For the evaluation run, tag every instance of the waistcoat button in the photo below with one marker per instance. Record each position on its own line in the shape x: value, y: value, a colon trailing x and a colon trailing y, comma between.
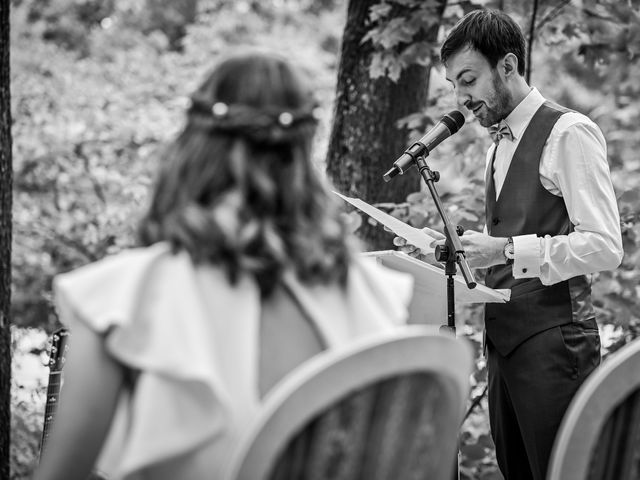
x: 496, y: 221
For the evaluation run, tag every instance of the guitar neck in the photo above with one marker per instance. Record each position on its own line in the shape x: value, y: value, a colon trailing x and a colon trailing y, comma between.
x: 51, y: 406
x: 56, y: 362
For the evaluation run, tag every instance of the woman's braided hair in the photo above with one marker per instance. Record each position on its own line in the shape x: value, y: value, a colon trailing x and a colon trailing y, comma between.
x: 265, y: 125
x: 237, y: 188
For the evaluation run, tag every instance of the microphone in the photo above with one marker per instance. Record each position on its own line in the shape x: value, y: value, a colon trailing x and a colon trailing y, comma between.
x: 447, y: 126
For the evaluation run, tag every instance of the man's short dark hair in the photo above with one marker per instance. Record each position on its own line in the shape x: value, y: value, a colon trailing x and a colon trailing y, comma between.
x: 490, y: 32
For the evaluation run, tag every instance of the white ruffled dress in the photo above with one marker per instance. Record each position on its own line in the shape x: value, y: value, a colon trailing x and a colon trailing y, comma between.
x: 193, y: 338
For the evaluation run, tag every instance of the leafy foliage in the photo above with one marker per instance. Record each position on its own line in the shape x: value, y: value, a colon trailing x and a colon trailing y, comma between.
x: 395, y: 28
x: 88, y: 127
x: 94, y: 102
x: 89, y: 121
x: 27, y: 403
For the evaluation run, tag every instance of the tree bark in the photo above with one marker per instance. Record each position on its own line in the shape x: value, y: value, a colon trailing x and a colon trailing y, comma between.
x: 5, y: 241
x: 532, y: 37
x: 364, y: 140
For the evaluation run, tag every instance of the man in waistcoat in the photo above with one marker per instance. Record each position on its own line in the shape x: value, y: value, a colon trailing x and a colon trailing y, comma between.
x: 551, y: 221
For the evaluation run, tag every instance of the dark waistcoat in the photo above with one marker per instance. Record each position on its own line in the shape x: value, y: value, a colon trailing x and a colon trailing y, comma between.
x: 526, y: 207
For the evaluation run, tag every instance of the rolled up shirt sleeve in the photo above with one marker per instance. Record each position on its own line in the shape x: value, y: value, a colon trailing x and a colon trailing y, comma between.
x: 574, y: 166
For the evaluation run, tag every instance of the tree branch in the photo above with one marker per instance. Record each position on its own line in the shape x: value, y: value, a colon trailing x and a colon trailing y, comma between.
x: 476, y: 401
x: 97, y: 188
x: 62, y: 240
x: 553, y: 13
x: 532, y: 30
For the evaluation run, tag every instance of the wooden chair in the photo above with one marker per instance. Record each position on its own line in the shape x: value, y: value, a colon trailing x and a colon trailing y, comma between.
x: 599, y: 438
x: 386, y: 408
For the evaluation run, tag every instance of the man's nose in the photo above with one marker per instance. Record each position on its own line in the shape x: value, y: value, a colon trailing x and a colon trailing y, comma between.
x: 463, y: 100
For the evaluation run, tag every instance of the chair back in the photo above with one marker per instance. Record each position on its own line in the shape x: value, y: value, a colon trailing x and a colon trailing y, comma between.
x: 599, y: 438
x: 388, y: 407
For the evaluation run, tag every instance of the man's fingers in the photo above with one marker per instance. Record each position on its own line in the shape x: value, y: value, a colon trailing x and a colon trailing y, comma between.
x: 399, y: 241
x: 433, y: 233
x: 411, y: 250
x: 407, y: 248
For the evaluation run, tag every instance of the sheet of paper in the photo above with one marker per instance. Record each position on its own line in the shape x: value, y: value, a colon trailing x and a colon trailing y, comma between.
x: 431, y: 279
x: 412, y: 235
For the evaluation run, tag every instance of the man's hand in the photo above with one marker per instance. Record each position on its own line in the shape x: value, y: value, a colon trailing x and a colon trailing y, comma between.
x: 415, y: 252
x: 481, y: 250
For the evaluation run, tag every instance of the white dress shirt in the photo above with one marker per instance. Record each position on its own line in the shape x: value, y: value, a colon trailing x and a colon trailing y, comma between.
x: 573, y: 166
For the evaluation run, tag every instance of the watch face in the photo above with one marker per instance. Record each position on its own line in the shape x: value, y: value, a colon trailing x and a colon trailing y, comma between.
x: 509, y: 250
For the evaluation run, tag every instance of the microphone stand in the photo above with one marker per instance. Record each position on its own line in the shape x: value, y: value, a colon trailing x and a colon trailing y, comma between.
x: 451, y: 253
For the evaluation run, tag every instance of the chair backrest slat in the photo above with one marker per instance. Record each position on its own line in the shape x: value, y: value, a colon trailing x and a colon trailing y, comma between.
x: 599, y: 438
x: 387, y: 430
x: 338, y: 438
x: 387, y: 425
x: 389, y: 408
x: 630, y: 461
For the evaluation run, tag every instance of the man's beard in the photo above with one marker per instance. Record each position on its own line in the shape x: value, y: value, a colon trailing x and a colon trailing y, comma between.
x: 501, y: 101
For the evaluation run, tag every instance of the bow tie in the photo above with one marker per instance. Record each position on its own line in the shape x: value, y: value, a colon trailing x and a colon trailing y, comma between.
x: 499, y: 131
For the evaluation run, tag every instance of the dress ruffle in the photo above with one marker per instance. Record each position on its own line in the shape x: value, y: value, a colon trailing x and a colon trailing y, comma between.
x: 192, y: 339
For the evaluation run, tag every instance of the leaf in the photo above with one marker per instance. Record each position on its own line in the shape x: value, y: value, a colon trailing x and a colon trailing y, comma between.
x: 353, y: 220
x: 395, y: 70
x: 572, y: 30
x: 418, y: 218
x: 385, y: 64
x: 421, y: 53
x: 415, y: 121
x: 395, y: 32
x: 377, y: 67
x: 623, y: 12
x: 473, y: 451
x: 372, y: 35
x: 492, y: 474
x: 416, y: 197
x: 486, y: 441
x: 379, y: 12
x: 406, y: 3
x: 631, y: 197
x: 467, y: 215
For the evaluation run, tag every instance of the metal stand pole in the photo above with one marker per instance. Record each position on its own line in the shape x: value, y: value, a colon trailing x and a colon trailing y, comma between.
x: 451, y: 254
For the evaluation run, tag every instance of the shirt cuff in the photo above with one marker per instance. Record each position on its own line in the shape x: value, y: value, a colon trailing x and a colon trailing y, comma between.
x: 526, y: 261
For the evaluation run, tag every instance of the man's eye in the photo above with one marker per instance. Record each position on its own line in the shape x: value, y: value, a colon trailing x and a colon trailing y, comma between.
x: 468, y: 83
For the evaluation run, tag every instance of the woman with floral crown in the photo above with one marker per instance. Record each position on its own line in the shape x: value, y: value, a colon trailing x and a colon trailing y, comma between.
x: 244, y: 271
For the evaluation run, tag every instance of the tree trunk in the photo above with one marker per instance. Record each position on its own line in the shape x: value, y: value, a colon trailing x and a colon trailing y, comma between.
x: 364, y: 140
x: 5, y: 240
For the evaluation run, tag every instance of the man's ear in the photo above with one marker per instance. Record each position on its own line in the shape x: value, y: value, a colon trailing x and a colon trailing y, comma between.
x: 509, y: 65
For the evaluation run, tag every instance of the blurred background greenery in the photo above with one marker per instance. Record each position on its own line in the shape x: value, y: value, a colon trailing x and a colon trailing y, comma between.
x: 98, y: 86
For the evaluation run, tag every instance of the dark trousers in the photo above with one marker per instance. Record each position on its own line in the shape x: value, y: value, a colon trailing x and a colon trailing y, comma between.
x: 530, y: 390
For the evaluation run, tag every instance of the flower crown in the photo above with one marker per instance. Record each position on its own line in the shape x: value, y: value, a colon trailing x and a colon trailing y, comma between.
x: 268, y: 125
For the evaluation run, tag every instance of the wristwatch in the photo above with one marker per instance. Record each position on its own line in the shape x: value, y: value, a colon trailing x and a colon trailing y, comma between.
x: 509, y: 251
